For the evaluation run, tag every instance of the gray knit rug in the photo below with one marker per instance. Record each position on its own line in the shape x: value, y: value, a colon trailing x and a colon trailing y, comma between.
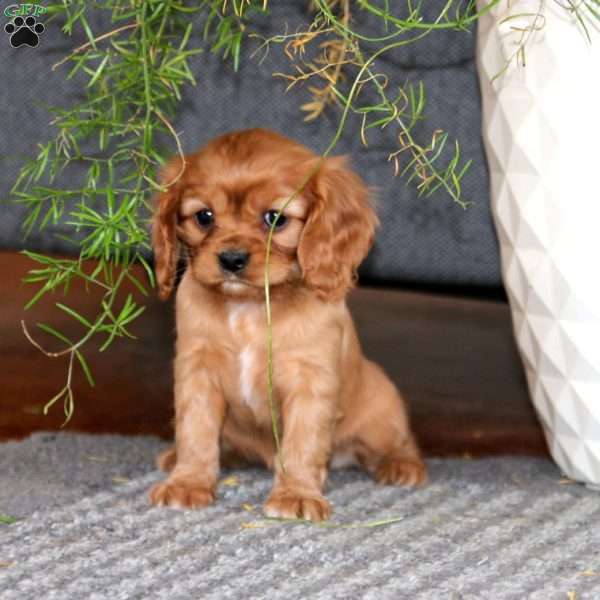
x: 507, y: 528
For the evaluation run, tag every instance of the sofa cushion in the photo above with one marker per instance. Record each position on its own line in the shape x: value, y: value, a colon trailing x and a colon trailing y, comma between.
x: 420, y: 240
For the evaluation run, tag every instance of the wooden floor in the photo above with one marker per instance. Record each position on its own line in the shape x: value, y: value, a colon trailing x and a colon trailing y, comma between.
x: 453, y: 358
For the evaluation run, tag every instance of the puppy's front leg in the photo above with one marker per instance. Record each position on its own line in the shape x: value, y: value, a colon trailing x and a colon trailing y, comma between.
x: 199, y: 414
x: 306, y: 445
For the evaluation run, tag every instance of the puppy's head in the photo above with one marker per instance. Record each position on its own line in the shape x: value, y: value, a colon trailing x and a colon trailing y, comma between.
x: 220, y: 203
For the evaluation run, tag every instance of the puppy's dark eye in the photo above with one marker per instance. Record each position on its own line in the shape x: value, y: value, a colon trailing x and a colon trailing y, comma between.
x: 205, y: 217
x: 270, y: 216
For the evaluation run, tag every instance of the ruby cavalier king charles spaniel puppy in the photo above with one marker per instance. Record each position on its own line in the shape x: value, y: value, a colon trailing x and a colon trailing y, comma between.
x: 335, y: 407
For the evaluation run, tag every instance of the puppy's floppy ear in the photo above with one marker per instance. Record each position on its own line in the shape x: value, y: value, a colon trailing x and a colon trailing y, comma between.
x: 164, y: 237
x: 339, y: 230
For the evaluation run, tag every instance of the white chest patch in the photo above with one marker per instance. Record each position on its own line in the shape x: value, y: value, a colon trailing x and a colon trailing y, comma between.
x: 246, y: 363
x: 237, y: 312
x: 244, y: 318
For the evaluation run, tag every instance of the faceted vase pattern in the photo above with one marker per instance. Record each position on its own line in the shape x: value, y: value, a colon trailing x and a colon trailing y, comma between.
x: 541, y: 128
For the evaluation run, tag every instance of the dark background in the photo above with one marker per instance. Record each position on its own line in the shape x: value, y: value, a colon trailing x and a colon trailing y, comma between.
x: 422, y: 241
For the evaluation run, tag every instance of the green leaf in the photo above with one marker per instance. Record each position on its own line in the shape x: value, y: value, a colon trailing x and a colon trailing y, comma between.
x: 50, y: 330
x: 85, y: 367
x: 75, y: 315
x: 7, y: 519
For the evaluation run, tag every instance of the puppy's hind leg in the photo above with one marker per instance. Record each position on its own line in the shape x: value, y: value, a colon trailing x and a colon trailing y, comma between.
x: 384, y: 443
x: 166, y: 459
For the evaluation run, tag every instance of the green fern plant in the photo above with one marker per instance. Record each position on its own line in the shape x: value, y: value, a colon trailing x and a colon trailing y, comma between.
x: 135, y: 75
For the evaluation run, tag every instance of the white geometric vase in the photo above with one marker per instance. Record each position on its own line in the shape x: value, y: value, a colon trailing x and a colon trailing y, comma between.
x: 541, y: 127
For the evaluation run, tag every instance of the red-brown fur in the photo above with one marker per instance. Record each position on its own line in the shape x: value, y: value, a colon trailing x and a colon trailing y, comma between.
x: 334, y: 403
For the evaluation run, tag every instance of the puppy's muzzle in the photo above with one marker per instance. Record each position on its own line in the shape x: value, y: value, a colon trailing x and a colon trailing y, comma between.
x: 233, y: 261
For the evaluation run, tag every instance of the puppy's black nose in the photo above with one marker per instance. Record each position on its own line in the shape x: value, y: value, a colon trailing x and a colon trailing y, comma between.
x: 233, y: 260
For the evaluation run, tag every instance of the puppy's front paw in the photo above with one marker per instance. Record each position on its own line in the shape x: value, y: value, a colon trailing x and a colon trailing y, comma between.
x: 287, y: 505
x: 180, y: 494
x: 410, y: 472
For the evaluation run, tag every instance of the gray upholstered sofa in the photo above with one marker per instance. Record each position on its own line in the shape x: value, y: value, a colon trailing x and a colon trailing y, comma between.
x: 421, y: 240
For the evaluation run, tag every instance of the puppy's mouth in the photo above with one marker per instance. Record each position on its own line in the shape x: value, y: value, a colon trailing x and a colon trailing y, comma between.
x: 235, y: 285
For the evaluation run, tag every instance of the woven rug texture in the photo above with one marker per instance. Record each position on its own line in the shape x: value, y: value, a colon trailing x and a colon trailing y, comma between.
x: 501, y: 528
